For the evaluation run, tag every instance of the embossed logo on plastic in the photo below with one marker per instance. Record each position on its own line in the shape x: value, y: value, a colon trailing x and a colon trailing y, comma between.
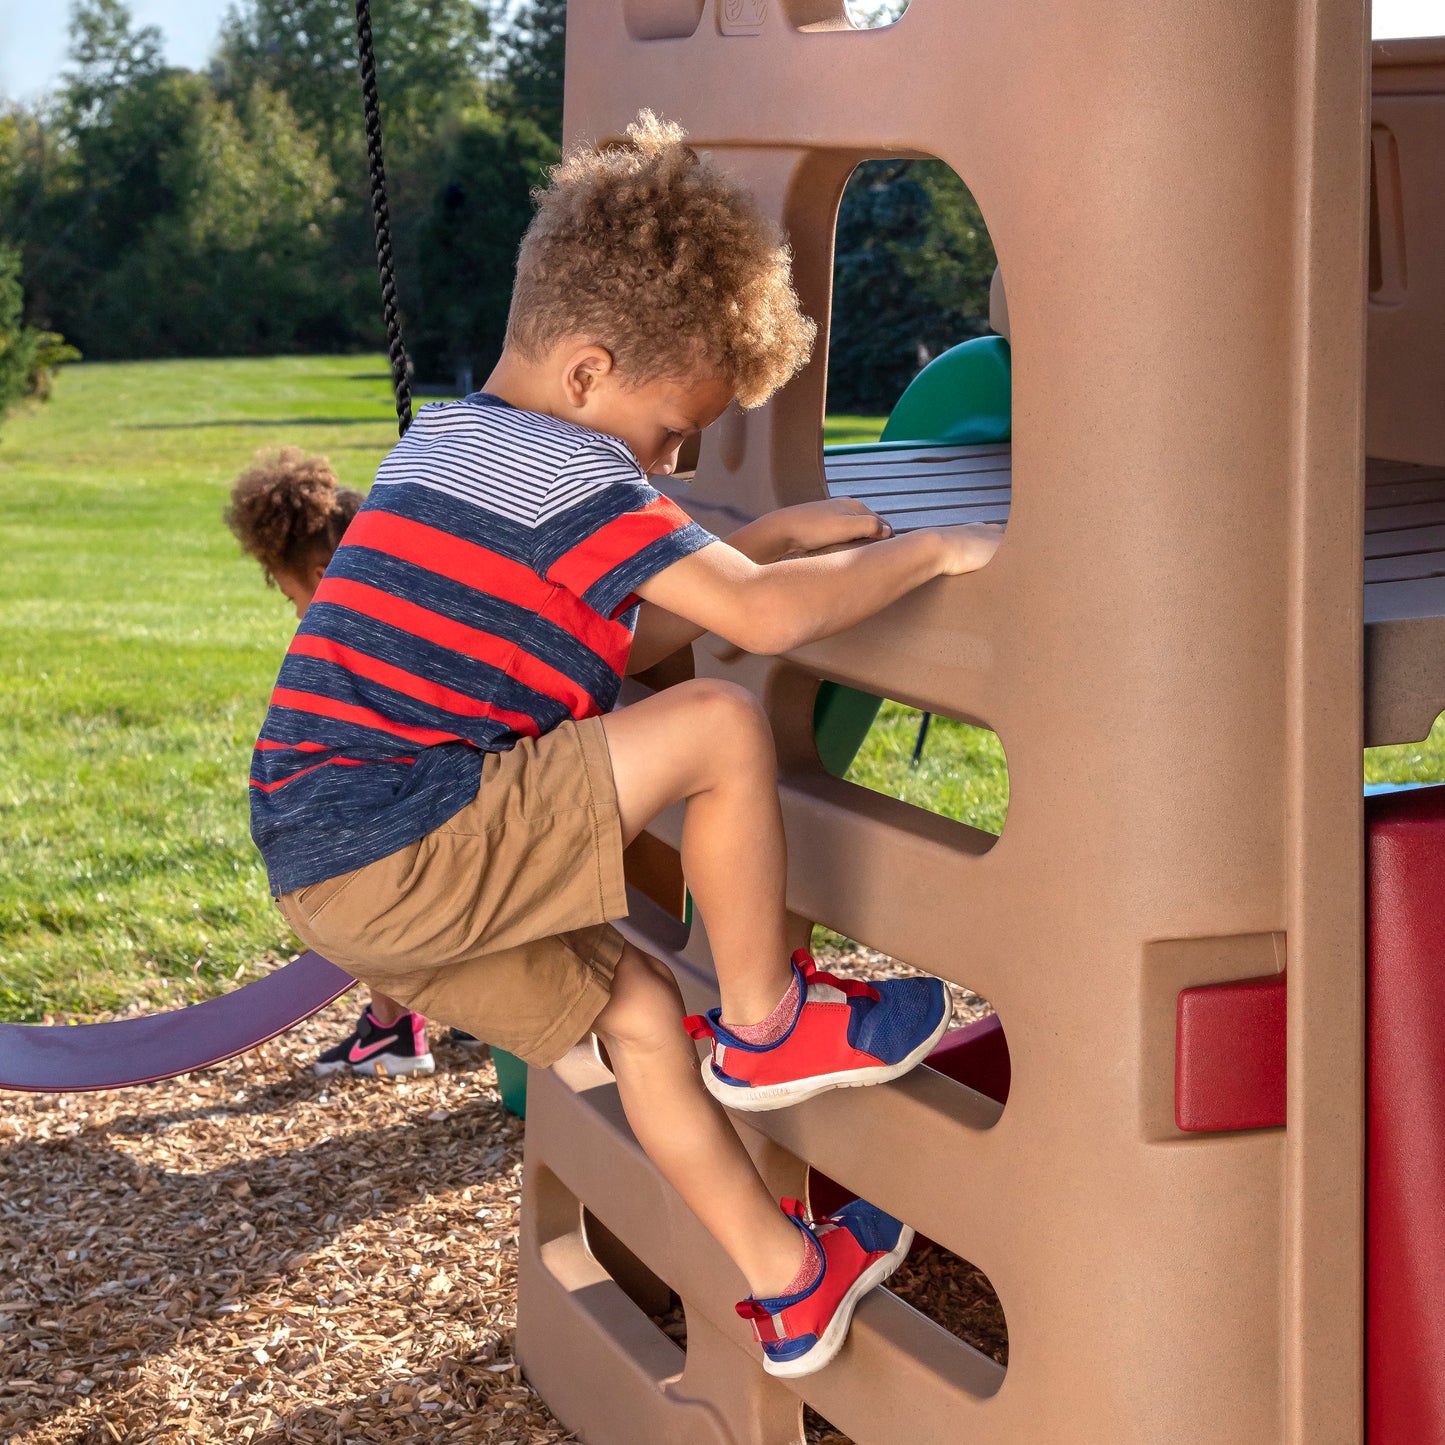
x: 743, y: 17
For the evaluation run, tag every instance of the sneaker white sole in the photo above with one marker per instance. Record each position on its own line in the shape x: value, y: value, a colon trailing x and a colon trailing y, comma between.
x: 832, y: 1338
x: 379, y: 1068
x: 795, y: 1091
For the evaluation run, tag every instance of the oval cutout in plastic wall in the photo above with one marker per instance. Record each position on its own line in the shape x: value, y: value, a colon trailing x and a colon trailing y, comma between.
x: 950, y: 768
x: 912, y: 266
x: 662, y: 19
x: 942, y: 1286
x: 875, y: 14
x: 844, y: 14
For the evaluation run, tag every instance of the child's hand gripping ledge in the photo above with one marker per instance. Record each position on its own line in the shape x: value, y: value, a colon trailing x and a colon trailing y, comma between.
x: 772, y: 607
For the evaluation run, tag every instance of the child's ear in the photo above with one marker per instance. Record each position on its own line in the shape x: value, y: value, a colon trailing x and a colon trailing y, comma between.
x: 316, y: 574
x: 584, y: 368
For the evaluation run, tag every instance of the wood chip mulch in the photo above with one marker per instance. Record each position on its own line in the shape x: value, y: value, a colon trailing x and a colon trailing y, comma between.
x: 256, y: 1255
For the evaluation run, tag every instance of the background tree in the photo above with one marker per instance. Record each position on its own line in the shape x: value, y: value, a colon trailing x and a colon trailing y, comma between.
x: 911, y: 274
x: 533, y: 50
x: 83, y: 173
x: 240, y: 262
x: 163, y: 220
x: 109, y: 55
x: 17, y: 341
x: 467, y: 245
x: 430, y: 57
x: 28, y: 357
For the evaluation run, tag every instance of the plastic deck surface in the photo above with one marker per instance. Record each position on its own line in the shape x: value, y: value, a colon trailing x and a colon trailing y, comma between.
x: 926, y: 486
x: 1404, y: 541
x: 1404, y: 521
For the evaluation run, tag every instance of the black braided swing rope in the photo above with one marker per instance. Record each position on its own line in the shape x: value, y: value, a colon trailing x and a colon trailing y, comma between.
x: 381, y: 218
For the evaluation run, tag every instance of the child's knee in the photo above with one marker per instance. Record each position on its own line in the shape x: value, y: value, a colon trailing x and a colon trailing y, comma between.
x: 728, y: 717
x: 646, y: 1008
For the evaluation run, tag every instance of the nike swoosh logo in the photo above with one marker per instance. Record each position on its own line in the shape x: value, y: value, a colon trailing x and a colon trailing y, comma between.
x: 358, y: 1053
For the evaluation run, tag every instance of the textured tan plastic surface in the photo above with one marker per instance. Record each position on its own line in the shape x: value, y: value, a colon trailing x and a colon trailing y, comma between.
x: 1406, y: 407
x: 1169, y: 645
x: 998, y: 305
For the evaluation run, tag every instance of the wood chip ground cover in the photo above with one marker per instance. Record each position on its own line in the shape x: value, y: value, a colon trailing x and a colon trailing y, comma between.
x: 255, y: 1255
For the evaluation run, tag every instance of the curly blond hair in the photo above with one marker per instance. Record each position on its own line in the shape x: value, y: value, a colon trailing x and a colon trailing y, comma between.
x: 652, y: 252
x: 288, y: 512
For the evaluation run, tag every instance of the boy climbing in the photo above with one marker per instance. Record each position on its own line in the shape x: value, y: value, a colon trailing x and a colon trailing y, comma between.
x: 442, y: 791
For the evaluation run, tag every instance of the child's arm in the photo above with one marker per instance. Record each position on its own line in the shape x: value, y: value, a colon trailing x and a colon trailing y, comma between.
x: 775, y: 608
x: 804, y: 528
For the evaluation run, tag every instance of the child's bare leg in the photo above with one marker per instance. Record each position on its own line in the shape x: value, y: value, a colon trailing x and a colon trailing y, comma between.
x: 385, y: 1009
x: 684, y: 1132
x: 709, y: 743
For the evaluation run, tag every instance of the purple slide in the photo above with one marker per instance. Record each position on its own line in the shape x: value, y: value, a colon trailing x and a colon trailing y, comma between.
x: 69, y: 1058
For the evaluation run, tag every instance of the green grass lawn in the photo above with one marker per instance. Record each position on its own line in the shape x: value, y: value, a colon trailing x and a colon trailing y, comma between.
x: 961, y: 774
x: 843, y: 429
x: 137, y: 651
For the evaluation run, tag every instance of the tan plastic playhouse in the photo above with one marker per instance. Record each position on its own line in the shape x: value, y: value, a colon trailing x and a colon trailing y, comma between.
x: 1183, y: 648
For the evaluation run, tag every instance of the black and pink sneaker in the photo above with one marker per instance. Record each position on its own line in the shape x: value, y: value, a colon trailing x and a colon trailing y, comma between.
x: 845, y: 1034
x: 861, y: 1246
x: 385, y: 1050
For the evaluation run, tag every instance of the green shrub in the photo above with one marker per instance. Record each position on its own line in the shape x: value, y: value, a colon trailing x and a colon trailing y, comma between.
x: 52, y: 351
x: 29, y: 357
x: 18, y: 343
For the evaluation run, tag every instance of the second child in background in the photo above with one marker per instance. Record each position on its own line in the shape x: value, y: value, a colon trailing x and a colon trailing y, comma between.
x: 289, y: 512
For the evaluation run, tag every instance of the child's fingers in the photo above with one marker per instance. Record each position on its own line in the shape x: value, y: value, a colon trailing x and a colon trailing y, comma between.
x: 867, y: 524
x: 860, y: 518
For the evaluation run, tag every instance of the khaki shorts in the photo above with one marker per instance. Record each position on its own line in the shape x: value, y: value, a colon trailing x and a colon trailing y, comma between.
x: 496, y: 923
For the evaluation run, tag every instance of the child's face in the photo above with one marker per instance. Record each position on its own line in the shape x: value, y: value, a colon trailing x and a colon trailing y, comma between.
x: 656, y: 417
x: 298, y: 588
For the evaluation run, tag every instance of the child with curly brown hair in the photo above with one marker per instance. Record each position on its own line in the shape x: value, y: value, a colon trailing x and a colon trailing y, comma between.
x: 443, y: 788
x: 289, y: 513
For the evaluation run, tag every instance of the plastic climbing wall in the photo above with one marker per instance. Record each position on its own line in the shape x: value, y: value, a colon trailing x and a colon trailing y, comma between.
x: 1169, y: 644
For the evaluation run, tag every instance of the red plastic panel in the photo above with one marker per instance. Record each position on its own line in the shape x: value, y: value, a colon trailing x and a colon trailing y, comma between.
x: 1405, y: 1219
x: 1229, y: 1058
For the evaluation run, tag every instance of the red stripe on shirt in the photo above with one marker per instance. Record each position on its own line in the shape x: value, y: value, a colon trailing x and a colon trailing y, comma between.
x: 344, y: 762
x: 312, y: 702
x: 498, y: 652
x: 408, y: 683
x: 485, y: 571
x: 267, y: 745
x: 622, y: 538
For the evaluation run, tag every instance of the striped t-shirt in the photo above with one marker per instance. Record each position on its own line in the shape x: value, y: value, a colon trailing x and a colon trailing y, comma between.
x: 484, y: 592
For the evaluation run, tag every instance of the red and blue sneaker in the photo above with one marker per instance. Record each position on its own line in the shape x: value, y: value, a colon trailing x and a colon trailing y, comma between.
x: 385, y: 1050
x: 860, y: 1246
x: 845, y: 1034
